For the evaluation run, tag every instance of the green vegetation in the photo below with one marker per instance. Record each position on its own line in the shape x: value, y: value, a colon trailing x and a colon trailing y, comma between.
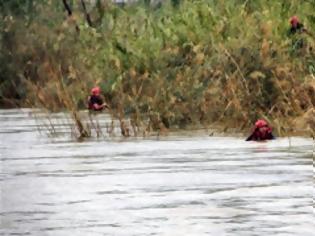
x: 163, y: 65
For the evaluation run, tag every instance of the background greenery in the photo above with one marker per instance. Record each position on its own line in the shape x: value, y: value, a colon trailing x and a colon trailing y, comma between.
x: 162, y: 65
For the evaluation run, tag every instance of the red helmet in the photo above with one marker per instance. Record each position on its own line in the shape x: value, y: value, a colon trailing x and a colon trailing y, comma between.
x: 260, y: 123
x: 96, y: 91
x: 294, y: 20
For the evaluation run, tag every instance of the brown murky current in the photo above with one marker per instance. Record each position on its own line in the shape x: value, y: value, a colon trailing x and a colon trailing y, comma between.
x: 174, y: 185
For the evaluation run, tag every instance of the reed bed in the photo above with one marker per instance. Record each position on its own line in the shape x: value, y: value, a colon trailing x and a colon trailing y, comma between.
x: 168, y: 66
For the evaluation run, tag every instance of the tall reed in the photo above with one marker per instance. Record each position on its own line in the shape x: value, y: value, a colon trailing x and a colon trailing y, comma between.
x: 195, y: 63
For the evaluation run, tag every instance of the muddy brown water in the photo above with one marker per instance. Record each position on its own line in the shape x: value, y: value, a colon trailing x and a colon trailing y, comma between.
x: 174, y: 185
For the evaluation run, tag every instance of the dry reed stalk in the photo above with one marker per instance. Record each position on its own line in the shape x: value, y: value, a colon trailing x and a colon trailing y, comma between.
x: 66, y: 99
x: 237, y: 67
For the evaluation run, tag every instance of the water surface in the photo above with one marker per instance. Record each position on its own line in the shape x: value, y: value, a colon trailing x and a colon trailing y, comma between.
x: 175, y: 185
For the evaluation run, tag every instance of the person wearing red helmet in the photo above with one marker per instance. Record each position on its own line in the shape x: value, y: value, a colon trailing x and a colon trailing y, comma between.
x: 261, y: 131
x: 296, y: 26
x: 95, y: 100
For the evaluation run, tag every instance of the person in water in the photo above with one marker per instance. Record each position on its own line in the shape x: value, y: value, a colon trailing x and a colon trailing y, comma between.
x: 261, y: 131
x: 96, y: 101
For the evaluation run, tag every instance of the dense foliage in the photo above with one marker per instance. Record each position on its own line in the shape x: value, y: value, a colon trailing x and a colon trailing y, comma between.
x: 175, y: 62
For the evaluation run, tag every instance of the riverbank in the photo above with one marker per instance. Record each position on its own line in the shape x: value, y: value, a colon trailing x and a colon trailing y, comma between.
x: 105, y: 126
x: 163, y: 67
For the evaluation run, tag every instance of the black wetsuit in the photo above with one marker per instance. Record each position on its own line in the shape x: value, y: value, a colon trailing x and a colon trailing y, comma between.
x: 94, y: 99
x: 257, y: 135
x: 296, y: 29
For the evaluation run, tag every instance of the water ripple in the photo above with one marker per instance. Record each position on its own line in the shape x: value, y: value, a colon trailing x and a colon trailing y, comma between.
x: 173, y: 185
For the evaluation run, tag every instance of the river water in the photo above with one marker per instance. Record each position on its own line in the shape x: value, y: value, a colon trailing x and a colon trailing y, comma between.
x: 174, y: 185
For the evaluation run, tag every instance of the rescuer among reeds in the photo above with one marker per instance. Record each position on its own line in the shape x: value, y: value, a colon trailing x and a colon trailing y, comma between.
x: 296, y: 26
x: 297, y: 33
x: 261, y: 131
x: 96, y: 100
